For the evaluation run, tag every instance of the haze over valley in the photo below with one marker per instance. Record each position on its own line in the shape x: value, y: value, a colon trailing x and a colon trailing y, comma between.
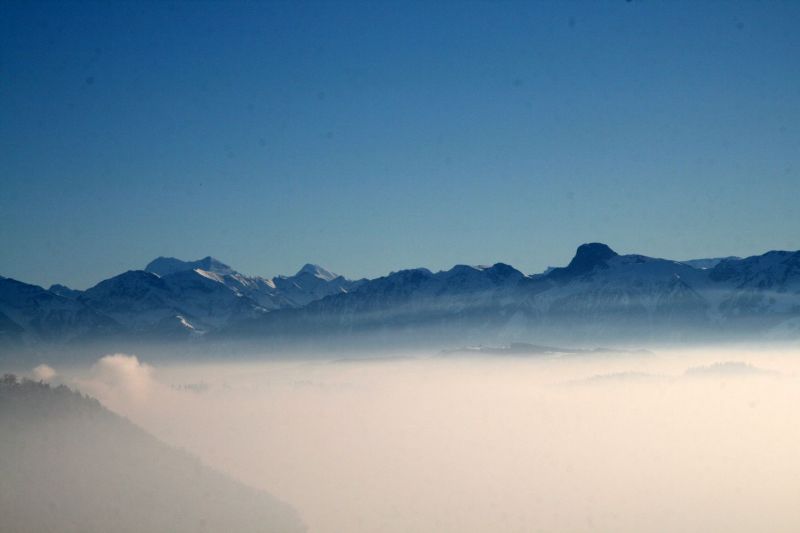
x: 671, y: 440
x: 399, y: 267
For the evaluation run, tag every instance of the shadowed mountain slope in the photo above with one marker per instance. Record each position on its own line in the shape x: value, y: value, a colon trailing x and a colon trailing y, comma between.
x: 69, y: 465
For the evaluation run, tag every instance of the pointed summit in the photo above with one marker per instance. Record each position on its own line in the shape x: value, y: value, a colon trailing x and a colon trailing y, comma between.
x: 317, y: 271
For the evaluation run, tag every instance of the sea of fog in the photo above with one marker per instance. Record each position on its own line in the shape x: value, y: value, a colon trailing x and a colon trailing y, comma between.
x: 690, y: 440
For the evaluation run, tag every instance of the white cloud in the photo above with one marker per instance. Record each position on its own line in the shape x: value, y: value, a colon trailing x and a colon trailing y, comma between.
x: 44, y: 372
x: 120, y: 375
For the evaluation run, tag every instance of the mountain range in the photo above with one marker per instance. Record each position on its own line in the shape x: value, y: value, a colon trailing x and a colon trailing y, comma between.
x: 599, y: 295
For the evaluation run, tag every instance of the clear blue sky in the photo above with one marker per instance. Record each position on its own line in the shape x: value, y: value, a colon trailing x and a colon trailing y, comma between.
x: 375, y: 136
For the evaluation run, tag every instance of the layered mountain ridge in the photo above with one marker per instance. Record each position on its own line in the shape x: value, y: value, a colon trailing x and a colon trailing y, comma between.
x: 599, y: 294
x: 169, y: 299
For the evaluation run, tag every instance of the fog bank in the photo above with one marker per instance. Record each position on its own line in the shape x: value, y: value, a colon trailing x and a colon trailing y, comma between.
x: 691, y: 440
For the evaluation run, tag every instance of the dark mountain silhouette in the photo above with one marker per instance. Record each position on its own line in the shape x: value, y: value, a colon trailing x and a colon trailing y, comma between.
x: 69, y: 465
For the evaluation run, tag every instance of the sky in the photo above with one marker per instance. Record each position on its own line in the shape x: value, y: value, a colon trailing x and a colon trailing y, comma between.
x: 371, y: 137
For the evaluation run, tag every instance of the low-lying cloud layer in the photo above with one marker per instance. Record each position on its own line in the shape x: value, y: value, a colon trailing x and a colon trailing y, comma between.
x: 700, y: 440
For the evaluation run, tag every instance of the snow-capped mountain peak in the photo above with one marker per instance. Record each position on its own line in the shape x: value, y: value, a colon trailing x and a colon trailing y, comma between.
x: 599, y: 292
x: 164, y: 266
x: 317, y: 271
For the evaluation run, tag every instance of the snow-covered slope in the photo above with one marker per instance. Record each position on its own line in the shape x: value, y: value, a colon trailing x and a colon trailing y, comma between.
x: 260, y: 290
x: 170, y: 299
x: 31, y: 313
x: 311, y: 282
x: 164, y: 266
x: 760, y: 285
x: 184, y: 302
x: 415, y: 303
x: 600, y: 294
x: 710, y: 262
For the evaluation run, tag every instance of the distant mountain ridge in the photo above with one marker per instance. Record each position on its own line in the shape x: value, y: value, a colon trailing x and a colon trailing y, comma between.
x: 599, y: 294
x: 164, y: 266
x: 169, y: 299
x: 310, y: 283
x: 708, y: 263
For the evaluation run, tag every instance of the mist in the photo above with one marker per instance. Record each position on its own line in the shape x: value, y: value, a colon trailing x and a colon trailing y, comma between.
x: 684, y: 440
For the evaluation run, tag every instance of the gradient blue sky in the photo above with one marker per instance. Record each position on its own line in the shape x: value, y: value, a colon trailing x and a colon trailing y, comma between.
x: 370, y: 137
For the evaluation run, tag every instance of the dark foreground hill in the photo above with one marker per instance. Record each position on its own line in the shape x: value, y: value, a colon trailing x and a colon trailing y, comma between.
x: 69, y: 465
